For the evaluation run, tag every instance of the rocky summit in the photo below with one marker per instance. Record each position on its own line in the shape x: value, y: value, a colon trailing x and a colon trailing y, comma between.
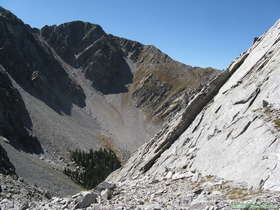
x: 187, y: 137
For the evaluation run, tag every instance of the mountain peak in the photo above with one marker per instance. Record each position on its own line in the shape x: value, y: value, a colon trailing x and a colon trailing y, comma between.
x: 9, y: 16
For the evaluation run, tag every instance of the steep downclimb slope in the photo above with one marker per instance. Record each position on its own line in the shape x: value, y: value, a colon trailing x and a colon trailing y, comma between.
x: 229, y: 129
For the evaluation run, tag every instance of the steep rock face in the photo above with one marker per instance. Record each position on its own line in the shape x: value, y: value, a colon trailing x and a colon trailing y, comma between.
x: 70, y: 39
x: 230, y: 129
x: 87, y: 46
x: 104, y: 64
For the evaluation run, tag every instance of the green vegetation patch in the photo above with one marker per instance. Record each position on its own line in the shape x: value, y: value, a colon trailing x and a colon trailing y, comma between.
x: 93, y: 166
x: 241, y: 194
x: 277, y: 123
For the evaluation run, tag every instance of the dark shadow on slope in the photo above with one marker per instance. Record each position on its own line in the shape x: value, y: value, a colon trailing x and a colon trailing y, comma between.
x: 115, y: 83
x: 42, y: 77
x: 28, y: 144
x: 87, y: 46
x: 6, y: 167
x: 15, y: 122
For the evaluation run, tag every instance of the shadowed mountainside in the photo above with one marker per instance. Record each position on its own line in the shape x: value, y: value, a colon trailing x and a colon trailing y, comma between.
x: 32, y: 65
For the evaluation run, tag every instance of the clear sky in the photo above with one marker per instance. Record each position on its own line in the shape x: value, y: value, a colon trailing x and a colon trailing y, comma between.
x: 195, y: 32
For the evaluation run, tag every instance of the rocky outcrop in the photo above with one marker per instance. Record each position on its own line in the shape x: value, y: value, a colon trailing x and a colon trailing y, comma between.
x: 87, y: 46
x: 104, y: 64
x: 175, y: 191
x: 16, y: 194
x: 71, y: 39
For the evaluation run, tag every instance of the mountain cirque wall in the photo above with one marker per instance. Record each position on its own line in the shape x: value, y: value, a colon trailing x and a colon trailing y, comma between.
x: 83, y: 76
x: 74, y: 86
x: 151, y: 79
x: 235, y: 134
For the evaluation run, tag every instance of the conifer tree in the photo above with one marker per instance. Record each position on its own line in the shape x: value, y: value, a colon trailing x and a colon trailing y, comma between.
x: 96, y: 166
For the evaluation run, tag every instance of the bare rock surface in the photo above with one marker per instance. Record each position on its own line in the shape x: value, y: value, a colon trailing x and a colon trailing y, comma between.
x: 178, y: 191
x: 16, y: 194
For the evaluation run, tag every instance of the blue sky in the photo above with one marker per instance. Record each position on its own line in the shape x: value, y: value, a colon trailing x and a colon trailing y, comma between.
x: 195, y: 32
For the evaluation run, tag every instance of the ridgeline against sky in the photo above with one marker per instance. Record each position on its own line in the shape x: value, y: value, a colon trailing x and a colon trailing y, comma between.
x: 199, y: 33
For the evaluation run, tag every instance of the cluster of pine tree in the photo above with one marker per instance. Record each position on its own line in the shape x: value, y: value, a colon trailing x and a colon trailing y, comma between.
x: 96, y: 166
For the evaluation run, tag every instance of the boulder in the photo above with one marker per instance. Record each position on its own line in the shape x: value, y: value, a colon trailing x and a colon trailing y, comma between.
x: 106, y: 194
x: 86, y: 200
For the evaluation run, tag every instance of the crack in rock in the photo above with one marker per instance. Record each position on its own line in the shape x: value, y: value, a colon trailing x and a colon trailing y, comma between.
x: 229, y: 134
x: 217, y: 110
x: 200, y: 120
x: 272, y: 142
x: 257, y: 92
x: 235, y: 116
x: 262, y: 182
x: 245, y: 128
x: 252, y: 95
